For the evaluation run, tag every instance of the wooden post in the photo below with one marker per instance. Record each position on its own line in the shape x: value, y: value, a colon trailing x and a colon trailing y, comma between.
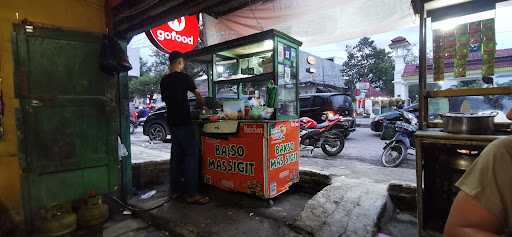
x: 423, y: 69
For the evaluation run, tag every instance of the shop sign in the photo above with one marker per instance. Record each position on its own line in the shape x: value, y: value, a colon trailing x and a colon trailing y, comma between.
x: 285, y: 154
x: 230, y: 150
x: 181, y: 35
x: 251, y: 128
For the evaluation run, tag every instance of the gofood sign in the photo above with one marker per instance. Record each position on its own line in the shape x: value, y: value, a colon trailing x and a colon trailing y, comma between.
x: 180, y: 35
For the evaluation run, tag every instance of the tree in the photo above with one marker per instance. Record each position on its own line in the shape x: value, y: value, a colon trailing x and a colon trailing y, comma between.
x: 366, y: 61
x: 148, y: 83
x: 151, y: 73
x: 160, y: 64
x: 144, y: 86
x: 144, y: 67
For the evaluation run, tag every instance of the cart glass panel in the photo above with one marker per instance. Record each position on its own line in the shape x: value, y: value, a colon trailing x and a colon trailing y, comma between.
x: 226, y: 91
x: 243, y: 62
x: 253, y: 93
x: 287, y: 80
x: 200, y: 70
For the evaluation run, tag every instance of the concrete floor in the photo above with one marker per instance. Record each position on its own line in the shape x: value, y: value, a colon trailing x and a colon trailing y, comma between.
x: 121, y: 226
x: 350, y: 206
x: 228, y: 214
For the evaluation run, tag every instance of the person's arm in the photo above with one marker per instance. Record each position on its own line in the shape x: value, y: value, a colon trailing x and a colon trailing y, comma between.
x: 480, y: 207
x: 468, y: 219
x: 199, y: 98
x: 192, y: 88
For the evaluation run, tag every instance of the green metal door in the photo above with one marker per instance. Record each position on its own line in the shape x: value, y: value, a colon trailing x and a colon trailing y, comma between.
x: 68, y: 118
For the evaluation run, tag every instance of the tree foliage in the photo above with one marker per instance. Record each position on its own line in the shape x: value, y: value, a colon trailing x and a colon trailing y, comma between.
x: 160, y: 65
x: 365, y: 61
x: 151, y: 73
x: 144, y: 86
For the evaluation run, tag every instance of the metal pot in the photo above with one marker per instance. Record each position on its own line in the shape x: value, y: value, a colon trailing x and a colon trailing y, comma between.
x: 469, y: 123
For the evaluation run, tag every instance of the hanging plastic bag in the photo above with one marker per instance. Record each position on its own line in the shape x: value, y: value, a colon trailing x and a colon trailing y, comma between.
x: 121, y: 149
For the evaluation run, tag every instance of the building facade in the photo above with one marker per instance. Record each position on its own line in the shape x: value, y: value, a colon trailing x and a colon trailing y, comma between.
x: 318, y: 74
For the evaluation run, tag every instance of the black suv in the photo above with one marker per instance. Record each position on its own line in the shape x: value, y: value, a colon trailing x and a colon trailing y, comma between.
x: 155, y: 125
x: 313, y: 106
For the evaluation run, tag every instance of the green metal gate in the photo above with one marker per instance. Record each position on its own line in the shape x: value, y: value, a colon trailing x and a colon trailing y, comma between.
x: 68, y: 119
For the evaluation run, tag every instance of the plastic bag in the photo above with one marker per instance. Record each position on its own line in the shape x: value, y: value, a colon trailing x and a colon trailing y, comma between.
x: 121, y: 149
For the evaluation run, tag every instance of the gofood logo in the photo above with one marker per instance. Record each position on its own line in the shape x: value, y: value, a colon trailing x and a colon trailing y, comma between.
x: 177, y: 25
x: 180, y: 34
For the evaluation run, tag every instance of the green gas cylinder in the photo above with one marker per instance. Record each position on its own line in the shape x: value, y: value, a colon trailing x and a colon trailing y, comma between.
x: 56, y: 220
x: 92, y: 211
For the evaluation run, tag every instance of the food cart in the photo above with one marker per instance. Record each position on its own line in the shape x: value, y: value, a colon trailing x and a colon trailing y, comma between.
x: 251, y: 141
x: 464, y: 63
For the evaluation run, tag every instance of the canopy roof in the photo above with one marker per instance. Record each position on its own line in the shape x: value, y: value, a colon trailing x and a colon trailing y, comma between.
x: 130, y: 17
x: 313, y: 22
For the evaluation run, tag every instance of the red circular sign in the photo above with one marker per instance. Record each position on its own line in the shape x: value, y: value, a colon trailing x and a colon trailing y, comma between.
x: 180, y: 34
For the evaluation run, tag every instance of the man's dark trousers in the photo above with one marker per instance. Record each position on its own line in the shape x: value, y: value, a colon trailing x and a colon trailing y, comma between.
x: 185, y: 160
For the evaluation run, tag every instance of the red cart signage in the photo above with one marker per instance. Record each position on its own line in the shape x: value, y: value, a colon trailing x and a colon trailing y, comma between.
x: 181, y: 35
x: 261, y: 159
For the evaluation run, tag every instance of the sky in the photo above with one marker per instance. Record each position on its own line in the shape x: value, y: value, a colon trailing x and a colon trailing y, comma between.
x: 381, y: 40
x: 503, y: 37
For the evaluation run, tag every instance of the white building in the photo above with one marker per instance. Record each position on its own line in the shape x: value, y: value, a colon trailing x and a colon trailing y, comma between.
x: 400, y: 47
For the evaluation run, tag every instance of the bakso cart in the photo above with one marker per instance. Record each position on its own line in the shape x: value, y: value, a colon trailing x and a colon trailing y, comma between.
x: 251, y: 142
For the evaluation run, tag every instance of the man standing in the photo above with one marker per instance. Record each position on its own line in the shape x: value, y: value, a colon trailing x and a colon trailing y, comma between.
x: 185, y: 157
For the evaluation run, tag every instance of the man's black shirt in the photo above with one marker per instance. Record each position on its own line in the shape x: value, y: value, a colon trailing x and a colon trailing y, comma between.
x: 174, y: 88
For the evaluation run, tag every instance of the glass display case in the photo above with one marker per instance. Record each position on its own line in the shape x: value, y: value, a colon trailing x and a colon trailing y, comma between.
x: 259, y: 70
x: 469, y: 69
x: 464, y: 77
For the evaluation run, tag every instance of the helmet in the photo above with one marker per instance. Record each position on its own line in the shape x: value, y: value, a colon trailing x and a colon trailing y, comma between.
x: 306, y: 122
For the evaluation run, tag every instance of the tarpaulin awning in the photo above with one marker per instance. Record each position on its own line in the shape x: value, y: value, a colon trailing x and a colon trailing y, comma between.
x: 314, y: 22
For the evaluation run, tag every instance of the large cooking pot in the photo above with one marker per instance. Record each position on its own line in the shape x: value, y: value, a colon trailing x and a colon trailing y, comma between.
x: 469, y: 123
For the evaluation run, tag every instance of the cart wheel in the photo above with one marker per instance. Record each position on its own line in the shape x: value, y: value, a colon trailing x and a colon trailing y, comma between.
x: 270, y: 203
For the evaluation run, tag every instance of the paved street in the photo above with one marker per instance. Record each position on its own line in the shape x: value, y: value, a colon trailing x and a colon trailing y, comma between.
x: 144, y: 150
x: 362, y: 146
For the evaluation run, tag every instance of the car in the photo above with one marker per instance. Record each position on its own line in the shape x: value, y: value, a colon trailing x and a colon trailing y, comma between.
x: 314, y: 105
x: 377, y: 123
x: 156, y: 127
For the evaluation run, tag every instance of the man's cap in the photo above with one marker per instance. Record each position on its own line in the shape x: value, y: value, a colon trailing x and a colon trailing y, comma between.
x: 174, y: 55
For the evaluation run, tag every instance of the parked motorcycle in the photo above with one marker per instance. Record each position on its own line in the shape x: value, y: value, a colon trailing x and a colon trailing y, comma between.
x: 133, y: 122
x: 395, y: 151
x: 329, y: 135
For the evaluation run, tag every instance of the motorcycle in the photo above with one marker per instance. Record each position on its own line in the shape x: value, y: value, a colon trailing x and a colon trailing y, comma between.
x: 329, y: 135
x: 133, y: 122
x: 395, y: 151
